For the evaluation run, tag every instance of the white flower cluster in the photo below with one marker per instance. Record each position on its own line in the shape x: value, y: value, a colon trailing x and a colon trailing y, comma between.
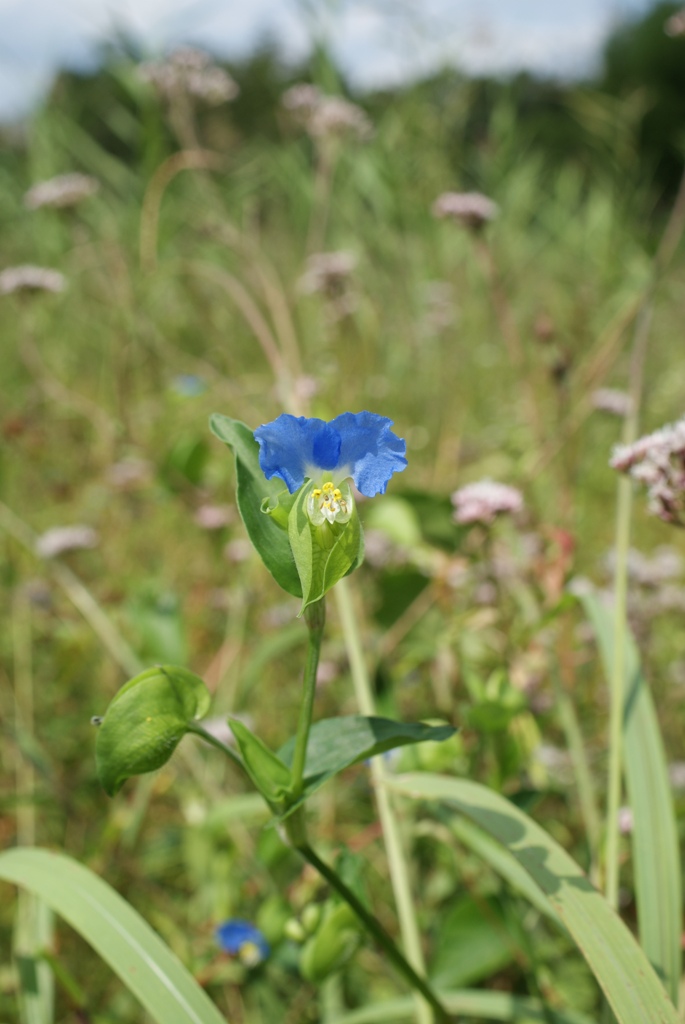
x: 190, y: 71
x: 483, y: 501
x: 611, y: 400
x: 327, y: 272
x: 28, y: 278
x: 658, y: 461
x: 675, y: 26
x: 60, y: 192
x: 66, y: 538
x: 472, y: 209
x: 325, y: 117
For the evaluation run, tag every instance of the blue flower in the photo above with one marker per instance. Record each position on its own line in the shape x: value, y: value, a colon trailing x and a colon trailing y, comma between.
x: 243, y: 940
x: 360, y: 445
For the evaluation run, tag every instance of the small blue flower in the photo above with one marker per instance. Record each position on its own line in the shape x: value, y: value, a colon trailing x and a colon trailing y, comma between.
x: 242, y: 940
x: 188, y: 385
x: 360, y: 445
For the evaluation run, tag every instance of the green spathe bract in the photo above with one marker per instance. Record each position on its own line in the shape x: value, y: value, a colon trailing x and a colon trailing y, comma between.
x: 323, y: 554
x: 145, y: 721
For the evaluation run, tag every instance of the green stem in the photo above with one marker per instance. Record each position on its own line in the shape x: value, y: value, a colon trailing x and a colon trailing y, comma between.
x: 568, y: 719
x: 399, y: 871
x: 194, y: 727
x: 380, y: 935
x: 315, y: 617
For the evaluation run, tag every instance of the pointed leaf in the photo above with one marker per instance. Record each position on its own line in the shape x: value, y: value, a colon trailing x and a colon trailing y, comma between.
x: 270, y: 540
x: 268, y: 772
x: 337, y: 743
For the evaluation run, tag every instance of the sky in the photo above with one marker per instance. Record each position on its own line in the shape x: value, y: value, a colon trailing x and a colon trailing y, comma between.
x: 376, y: 42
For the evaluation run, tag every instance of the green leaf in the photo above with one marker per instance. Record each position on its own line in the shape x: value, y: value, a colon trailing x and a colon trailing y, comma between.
x: 473, y: 943
x: 323, y: 554
x: 33, y: 933
x: 654, y: 837
x: 633, y: 990
x: 267, y: 771
x: 145, y: 722
x: 490, y: 1006
x: 278, y: 507
x: 270, y: 540
x: 337, y: 743
x: 504, y: 863
x: 116, y: 932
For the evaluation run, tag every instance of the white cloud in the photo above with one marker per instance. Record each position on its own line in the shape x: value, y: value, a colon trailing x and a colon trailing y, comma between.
x: 377, y: 42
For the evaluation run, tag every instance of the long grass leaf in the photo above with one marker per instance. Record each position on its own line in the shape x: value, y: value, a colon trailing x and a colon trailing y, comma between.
x: 467, y: 1002
x: 626, y: 977
x: 115, y: 931
x: 656, y: 853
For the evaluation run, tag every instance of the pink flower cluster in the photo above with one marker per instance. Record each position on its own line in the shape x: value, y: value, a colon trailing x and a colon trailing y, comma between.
x: 472, y: 209
x: 190, y: 71
x: 658, y: 461
x: 63, y: 191
x: 483, y: 501
x: 325, y: 117
x: 27, y: 278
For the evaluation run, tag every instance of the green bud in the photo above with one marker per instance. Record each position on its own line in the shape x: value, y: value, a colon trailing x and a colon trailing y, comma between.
x: 311, y: 916
x: 333, y: 944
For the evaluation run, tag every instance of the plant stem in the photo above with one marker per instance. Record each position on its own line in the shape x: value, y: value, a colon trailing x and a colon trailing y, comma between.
x: 315, y: 617
x: 378, y: 932
x: 23, y: 721
x: 196, y: 728
x: 399, y: 872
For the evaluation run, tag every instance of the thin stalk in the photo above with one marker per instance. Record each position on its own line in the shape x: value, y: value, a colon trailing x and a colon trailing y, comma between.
x: 399, y: 871
x: 617, y: 681
x: 581, y: 770
x: 197, y: 729
x: 315, y: 617
x: 401, y: 964
x: 23, y: 720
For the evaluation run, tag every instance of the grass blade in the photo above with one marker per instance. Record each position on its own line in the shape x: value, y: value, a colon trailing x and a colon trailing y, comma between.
x: 33, y: 935
x: 491, y: 1006
x: 632, y: 988
x: 656, y: 854
x: 116, y: 931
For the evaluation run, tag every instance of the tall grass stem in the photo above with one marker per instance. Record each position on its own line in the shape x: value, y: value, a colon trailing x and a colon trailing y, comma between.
x: 399, y: 870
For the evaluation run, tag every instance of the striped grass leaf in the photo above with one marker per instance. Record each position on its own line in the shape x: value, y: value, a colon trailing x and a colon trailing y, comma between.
x: 116, y: 932
x: 32, y: 935
x: 481, y: 1004
x: 626, y: 977
x: 656, y: 855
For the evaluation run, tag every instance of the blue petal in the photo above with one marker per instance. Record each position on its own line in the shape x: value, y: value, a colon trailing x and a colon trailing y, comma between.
x: 370, y: 450
x: 232, y: 936
x: 292, y: 447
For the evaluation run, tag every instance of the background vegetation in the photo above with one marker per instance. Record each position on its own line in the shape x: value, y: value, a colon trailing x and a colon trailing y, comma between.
x: 484, y: 349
